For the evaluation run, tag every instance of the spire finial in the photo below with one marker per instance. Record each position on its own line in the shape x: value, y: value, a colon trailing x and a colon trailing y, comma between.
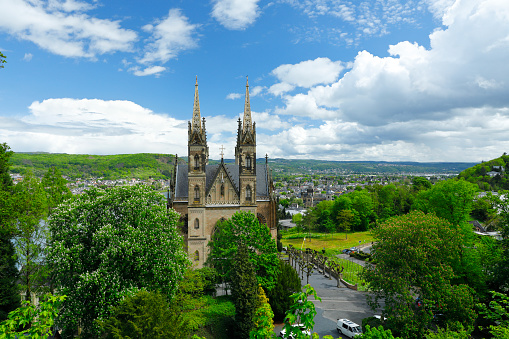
x: 247, y: 110
x: 196, y: 124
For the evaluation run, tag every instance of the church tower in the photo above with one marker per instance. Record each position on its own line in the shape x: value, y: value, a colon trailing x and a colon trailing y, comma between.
x: 245, y: 156
x: 198, y: 158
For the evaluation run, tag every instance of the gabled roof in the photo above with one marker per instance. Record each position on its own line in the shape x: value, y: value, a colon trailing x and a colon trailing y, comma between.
x: 262, y: 183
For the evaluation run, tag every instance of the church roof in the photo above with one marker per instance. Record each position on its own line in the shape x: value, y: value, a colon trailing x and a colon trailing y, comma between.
x: 262, y: 184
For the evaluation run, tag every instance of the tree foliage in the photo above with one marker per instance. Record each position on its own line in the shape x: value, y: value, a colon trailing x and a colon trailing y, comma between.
x: 32, y: 321
x: 301, y: 312
x: 415, y: 256
x: 2, y: 60
x: 244, y: 292
x: 144, y: 315
x: 9, y: 294
x: 105, y: 243
x: 30, y: 235
x: 263, y: 318
x: 243, y: 228
x: 288, y: 282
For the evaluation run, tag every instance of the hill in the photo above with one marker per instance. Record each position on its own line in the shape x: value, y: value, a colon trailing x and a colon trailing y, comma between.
x: 489, y: 175
x: 142, y: 165
x: 160, y: 166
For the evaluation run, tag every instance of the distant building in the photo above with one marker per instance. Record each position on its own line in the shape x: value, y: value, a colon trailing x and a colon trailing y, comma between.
x: 205, y: 194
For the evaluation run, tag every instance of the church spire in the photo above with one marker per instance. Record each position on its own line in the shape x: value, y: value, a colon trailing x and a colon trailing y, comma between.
x: 196, y: 125
x: 247, y: 110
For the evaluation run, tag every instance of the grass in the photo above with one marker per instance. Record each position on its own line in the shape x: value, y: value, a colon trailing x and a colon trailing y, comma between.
x: 333, y: 244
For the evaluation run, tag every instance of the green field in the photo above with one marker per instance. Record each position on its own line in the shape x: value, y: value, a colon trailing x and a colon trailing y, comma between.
x: 333, y: 245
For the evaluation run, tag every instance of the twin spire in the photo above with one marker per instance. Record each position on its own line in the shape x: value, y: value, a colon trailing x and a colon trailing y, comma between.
x: 196, y: 123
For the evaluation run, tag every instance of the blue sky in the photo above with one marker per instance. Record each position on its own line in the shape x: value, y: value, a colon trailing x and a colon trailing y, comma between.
x: 393, y: 80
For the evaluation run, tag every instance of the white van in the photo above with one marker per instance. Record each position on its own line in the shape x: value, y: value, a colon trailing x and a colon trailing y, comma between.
x: 348, y: 328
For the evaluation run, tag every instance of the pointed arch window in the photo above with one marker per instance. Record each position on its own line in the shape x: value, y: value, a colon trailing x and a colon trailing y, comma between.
x: 248, y: 162
x: 196, y: 255
x: 222, y: 190
x: 196, y: 223
x: 196, y: 161
x: 248, y: 193
x: 196, y: 193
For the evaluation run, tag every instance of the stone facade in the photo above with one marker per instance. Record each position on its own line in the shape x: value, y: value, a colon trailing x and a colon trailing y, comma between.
x: 204, y: 194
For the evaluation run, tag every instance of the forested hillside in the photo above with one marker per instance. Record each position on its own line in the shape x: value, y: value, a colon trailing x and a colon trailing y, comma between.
x: 142, y: 165
x: 489, y: 175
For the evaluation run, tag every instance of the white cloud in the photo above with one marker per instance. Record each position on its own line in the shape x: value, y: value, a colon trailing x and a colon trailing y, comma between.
x: 170, y: 36
x: 235, y: 14
x: 254, y: 91
x: 56, y: 28
x: 417, y: 83
x: 28, y: 57
x: 233, y: 96
x: 309, y: 73
x: 281, y: 88
x: 147, y: 71
x: 94, y: 126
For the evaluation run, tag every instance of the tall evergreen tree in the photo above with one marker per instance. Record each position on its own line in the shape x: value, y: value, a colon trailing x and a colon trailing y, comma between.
x: 9, y: 296
x: 244, y: 292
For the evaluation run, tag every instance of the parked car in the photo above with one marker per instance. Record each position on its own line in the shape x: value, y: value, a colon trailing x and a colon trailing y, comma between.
x: 346, y: 251
x: 348, y: 328
x: 282, y: 333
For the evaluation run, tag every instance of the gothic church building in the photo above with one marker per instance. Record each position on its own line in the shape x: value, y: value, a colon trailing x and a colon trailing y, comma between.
x: 205, y: 194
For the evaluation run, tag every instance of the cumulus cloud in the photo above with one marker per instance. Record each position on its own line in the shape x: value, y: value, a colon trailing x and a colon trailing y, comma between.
x: 170, y: 36
x: 235, y: 14
x: 309, y: 73
x: 94, y: 126
x: 63, y: 29
x: 445, y: 102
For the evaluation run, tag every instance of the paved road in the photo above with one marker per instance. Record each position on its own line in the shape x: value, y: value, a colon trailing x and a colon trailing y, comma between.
x: 336, y: 303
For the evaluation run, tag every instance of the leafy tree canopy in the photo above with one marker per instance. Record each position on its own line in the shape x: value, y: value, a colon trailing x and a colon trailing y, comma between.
x: 105, y: 243
x: 415, y: 256
x: 243, y: 228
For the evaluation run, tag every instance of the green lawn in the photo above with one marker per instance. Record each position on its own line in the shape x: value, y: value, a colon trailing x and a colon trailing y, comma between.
x: 333, y: 245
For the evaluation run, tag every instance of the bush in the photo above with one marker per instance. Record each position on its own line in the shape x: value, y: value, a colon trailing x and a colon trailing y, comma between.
x: 210, y: 279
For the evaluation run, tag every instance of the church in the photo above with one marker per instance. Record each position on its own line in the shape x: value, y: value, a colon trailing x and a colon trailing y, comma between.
x: 205, y: 194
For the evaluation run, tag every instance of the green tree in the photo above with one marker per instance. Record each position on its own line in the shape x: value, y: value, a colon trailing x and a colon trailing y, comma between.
x: 105, y: 243
x: 363, y: 209
x: 288, y: 282
x: 244, y: 228
x: 5, y: 155
x: 377, y: 333
x: 34, y: 321
x: 56, y: 189
x: 144, y: 315
x: 9, y: 294
x: 415, y: 256
x: 498, y: 312
x: 301, y: 312
x: 244, y: 292
x: 263, y: 318
x: 420, y: 183
x: 30, y: 236
x: 345, y: 219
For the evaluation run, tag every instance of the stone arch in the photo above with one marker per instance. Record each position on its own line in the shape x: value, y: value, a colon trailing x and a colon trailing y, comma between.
x: 261, y: 218
x: 196, y: 255
x: 196, y: 161
x: 196, y: 223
